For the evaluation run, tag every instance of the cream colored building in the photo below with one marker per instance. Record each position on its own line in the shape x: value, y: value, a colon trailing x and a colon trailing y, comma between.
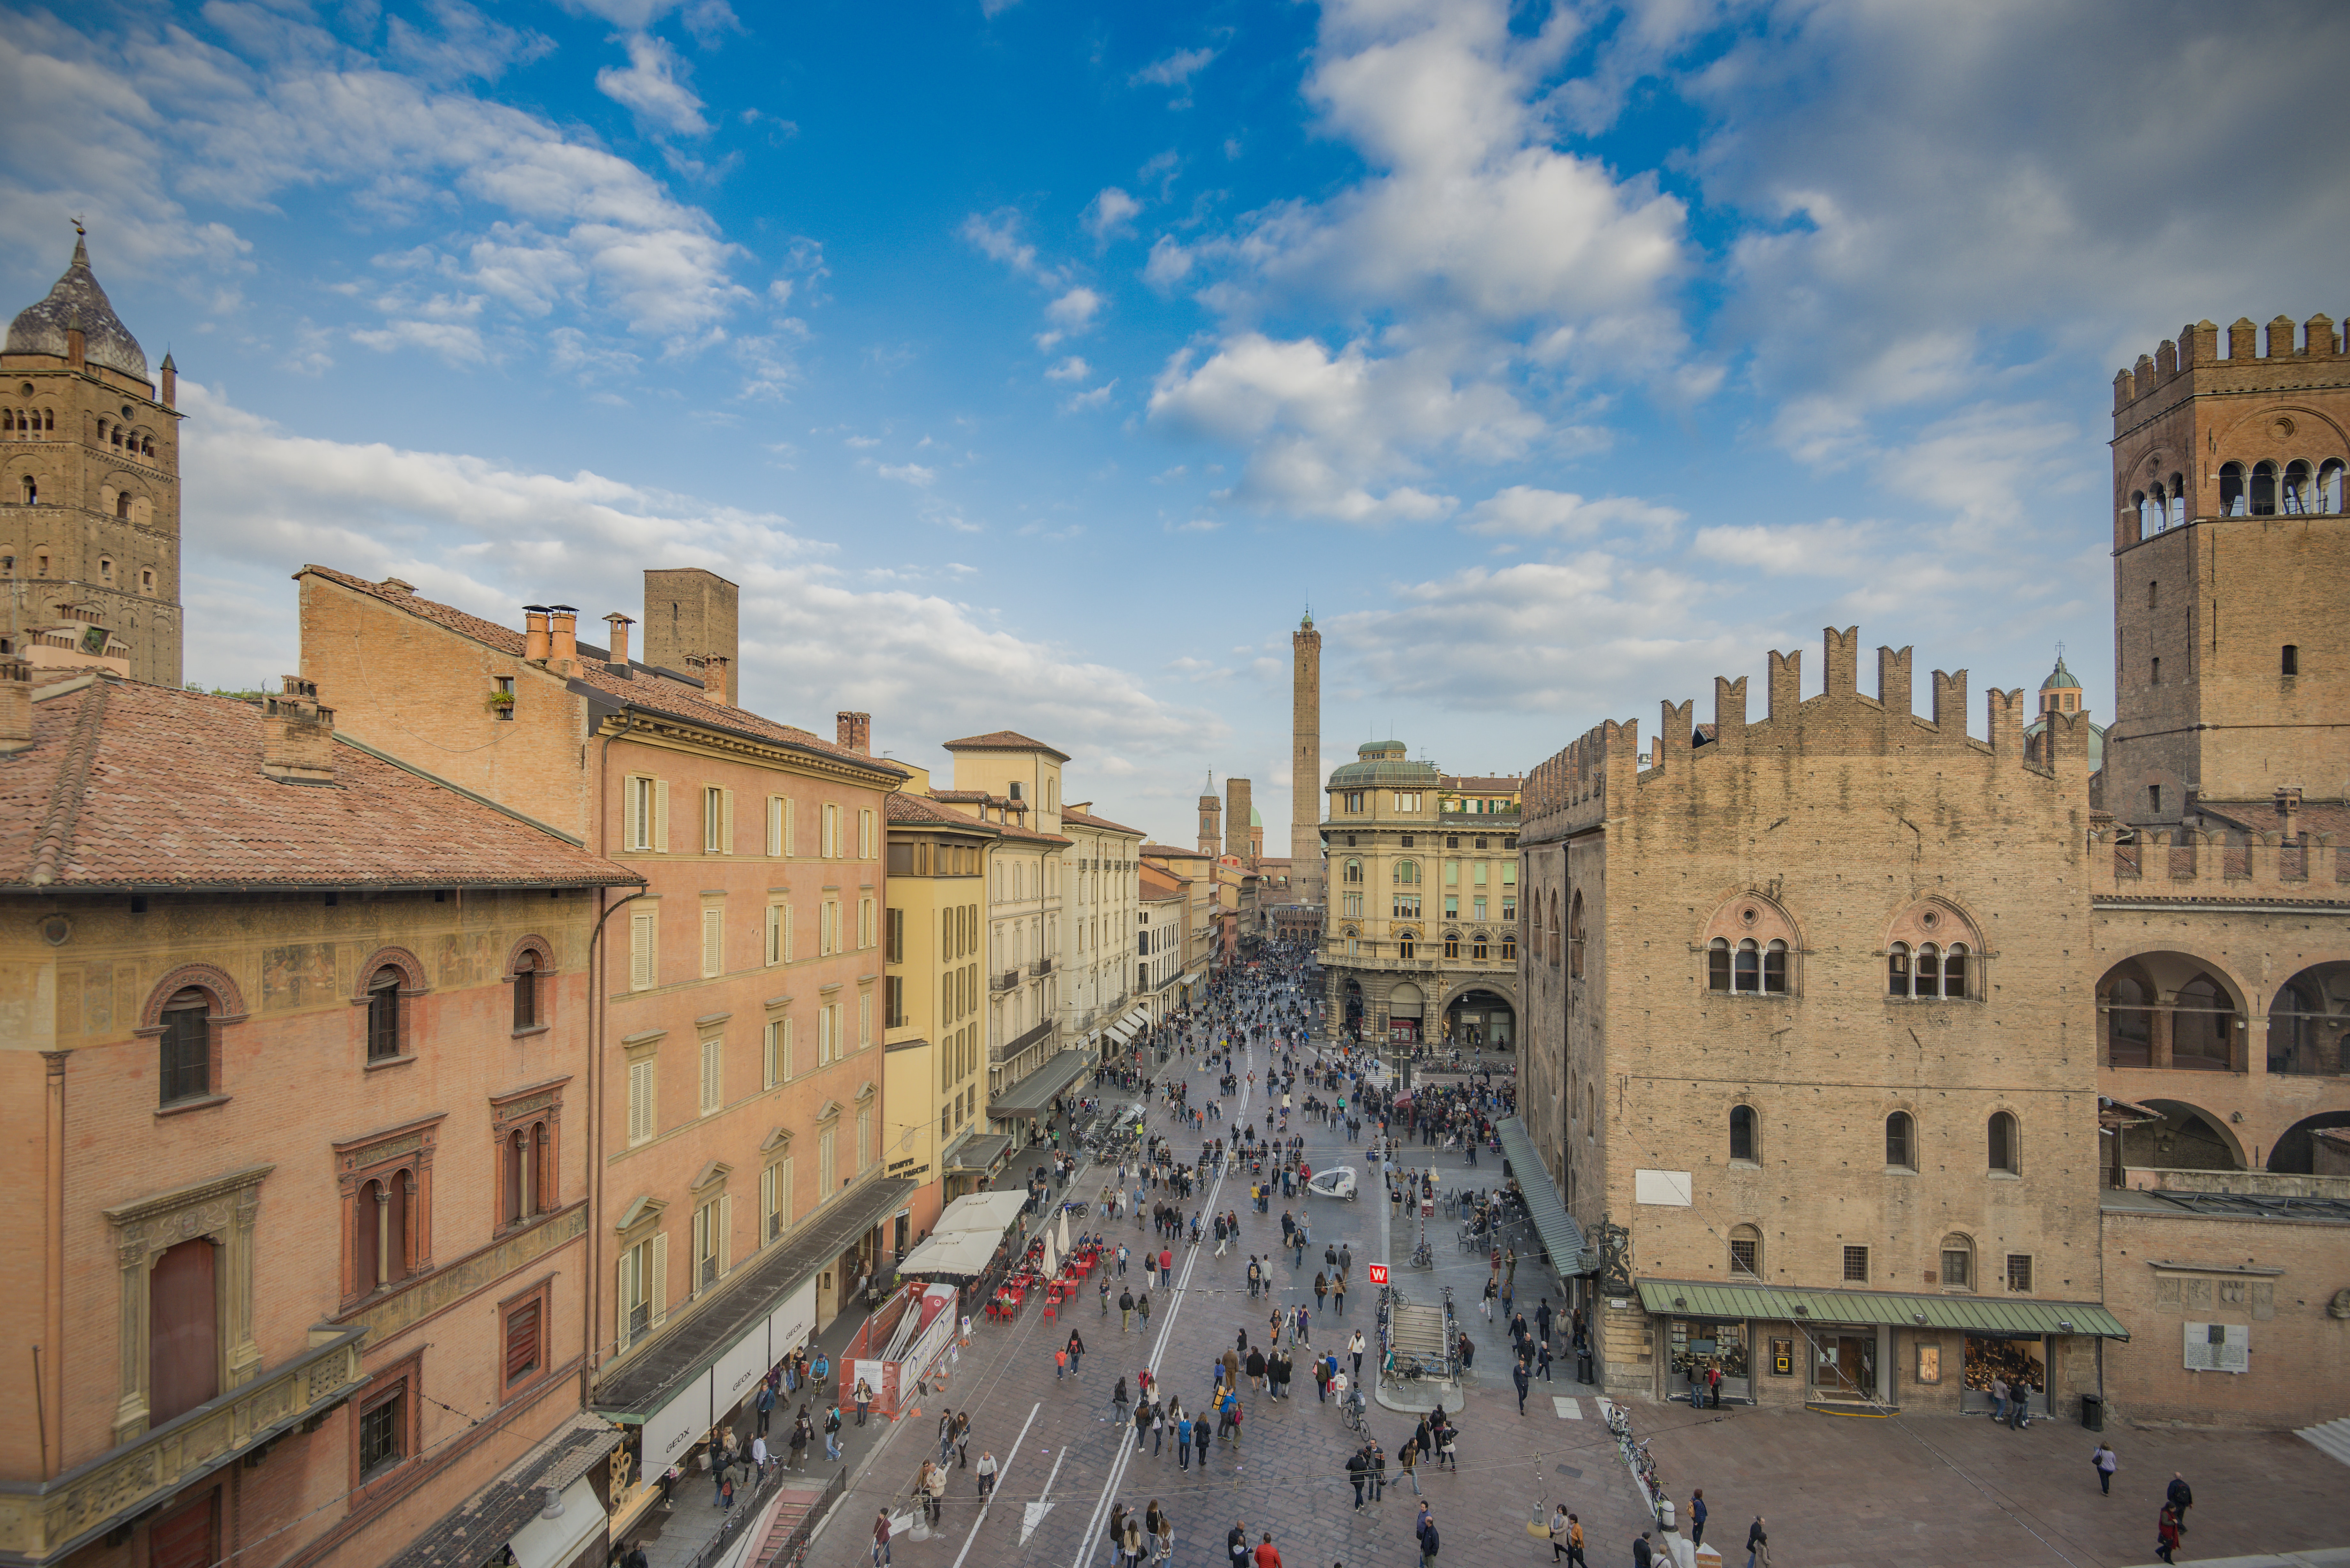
x: 1158, y: 943
x: 1100, y: 1010
x: 1196, y: 871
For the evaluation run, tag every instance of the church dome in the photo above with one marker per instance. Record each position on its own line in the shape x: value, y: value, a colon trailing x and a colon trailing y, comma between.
x: 77, y: 300
x: 2060, y: 679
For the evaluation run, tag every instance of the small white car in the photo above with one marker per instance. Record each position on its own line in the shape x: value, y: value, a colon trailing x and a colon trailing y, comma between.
x: 1338, y: 1181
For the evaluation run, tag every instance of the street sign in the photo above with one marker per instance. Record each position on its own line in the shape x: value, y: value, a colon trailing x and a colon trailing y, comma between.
x: 1378, y: 1273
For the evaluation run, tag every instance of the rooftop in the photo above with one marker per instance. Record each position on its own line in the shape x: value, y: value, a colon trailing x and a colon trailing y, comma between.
x: 129, y: 785
x: 77, y: 300
x: 1087, y: 819
x: 1004, y: 741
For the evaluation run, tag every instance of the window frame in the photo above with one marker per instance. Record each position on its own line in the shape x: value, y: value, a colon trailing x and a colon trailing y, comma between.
x: 539, y: 1301
x: 1900, y: 1141
x: 1745, y: 1119
x: 2003, y: 1144
x: 1855, y: 1265
x: 167, y: 1069
x: 387, y: 1019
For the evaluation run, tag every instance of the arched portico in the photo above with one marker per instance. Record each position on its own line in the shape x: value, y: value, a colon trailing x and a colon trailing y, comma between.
x: 2170, y: 1009
x: 2188, y: 1137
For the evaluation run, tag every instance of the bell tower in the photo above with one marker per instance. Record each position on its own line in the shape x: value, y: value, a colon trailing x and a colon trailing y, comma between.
x: 90, y: 485
x: 1211, y: 838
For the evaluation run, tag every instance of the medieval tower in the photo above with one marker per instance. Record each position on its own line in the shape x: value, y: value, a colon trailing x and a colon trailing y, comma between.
x: 90, y: 485
x: 1240, y: 815
x: 1211, y: 841
x: 2230, y: 544
x: 1308, y: 883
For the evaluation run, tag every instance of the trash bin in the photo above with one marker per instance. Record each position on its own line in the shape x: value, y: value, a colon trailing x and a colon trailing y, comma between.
x: 1583, y: 1368
x: 2093, y: 1412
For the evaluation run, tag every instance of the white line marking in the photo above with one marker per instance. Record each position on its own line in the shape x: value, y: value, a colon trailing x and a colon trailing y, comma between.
x: 1568, y: 1409
x: 1001, y: 1471
x: 1032, y: 1514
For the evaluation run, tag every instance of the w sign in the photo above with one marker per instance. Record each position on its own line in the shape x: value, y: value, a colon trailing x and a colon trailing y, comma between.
x: 1377, y: 1272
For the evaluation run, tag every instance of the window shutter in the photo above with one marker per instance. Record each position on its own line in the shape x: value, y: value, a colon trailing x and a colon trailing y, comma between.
x: 726, y: 822
x: 640, y: 1100
x: 724, y: 1244
x: 632, y: 826
x: 864, y: 1019
x: 713, y: 1089
x: 714, y: 942
x: 625, y: 1289
x: 660, y: 815
x: 522, y: 1341
x: 775, y: 949
x: 788, y: 824
x: 775, y: 824
x: 785, y: 1191
x: 767, y: 1205
x: 660, y: 1279
x: 641, y: 951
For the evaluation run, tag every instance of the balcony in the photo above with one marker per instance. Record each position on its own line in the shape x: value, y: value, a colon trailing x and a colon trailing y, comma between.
x: 41, y: 1521
x: 1005, y: 982
x: 1041, y: 967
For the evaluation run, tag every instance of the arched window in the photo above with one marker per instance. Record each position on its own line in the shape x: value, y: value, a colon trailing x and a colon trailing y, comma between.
x: 2329, y: 487
x: 2150, y: 512
x: 187, y: 1047
x: 1354, y: 871
x: 1900, y: 1141
x: 517, y: 1174
x: 1509, y: 947
x: 1746, y: 967
x: 1575, y: 937
x: 380, y: 1225
x: 1404, y: 945
x: 1742, y: 1133
x: 2231, y: 490
x: 1452, y: 944
x: 1954, y: 969
x: 32, y: 490
x: 383, y: 1015
x: 1931, y: 955
x: 2004, y: 1154
x: 1775, y: 967
x: 1897, y: 970
x: 2178, y: 499
x: 525, y: 992
x: 2130, y: 1022
x: 1716, y: 964
x: 2264, y: 489
x: 1745, y: 1253
x: 1958, y: 1269
x: 1407, y: 873
x: 2300, y: 492
x: 1477, y: 947
x: 2202, y: 1026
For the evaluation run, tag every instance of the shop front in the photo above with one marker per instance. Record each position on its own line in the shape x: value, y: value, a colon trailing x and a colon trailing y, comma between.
x: 2020, y: 1361
x: 1701, y: 1346
x: 1406, y: 1004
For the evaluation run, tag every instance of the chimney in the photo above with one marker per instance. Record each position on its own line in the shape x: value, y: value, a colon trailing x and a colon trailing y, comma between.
x: 563, y: 637
x: 397, y: 586
x: 297, y: 735
x: 620, y: 625
x: 714, y: 680
x: 855, y: 731
x: 170, y: 382
x: 2288, y: 805
x: 15, y: 705
x: 535, y: 643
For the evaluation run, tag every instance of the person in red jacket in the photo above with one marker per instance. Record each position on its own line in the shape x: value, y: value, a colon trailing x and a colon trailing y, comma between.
x: 1266, y: 1557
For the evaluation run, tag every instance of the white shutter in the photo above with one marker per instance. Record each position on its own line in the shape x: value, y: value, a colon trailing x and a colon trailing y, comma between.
x: 784, y: 1191
x: 641, y: 968
x: 865, y: 835
x: 767, y: 1204
x: 660, y: 1279
x: 632, y: 828
x: 775, y: 824
x: 827, y: 1168
x: 714, y: 942
x: 713, y: 1089
x: 864, y: 1019
x: 775, y: 949
x: 640, y: 1100
x: 864, y: 1139
x: 726, y: 822
x: 660, y: 815
x: 625, y: 1292
x: 724, y: 1245
x: 788, y: 824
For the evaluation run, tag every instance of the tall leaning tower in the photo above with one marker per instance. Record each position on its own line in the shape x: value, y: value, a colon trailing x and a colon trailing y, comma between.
x: 1307, y: 878
x: 89, y: 479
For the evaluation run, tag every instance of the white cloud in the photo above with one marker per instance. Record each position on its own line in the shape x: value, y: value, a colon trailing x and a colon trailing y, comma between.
x: 1833, y: 548
x: 1525, y: 510
x: 457, y: 344
x: 488, y: 537
x: 1110, y: 212
x: 997, y: 237
x: 1073, y: 311
x: 1071, y: 368
x: 654, y: 86
x: 1176, y: 70
x: 1169, y: 263
x: 1093, y: 398
x: 464, y: 42
x: 912, y: 474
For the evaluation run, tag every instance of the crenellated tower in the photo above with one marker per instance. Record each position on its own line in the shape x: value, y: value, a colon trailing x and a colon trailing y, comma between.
x: 1308, y: 872
x: 89, y: 487
x: 2231, y: 655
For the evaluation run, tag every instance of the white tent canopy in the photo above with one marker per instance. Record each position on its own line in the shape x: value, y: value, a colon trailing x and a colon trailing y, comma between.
x: 966, y: 1236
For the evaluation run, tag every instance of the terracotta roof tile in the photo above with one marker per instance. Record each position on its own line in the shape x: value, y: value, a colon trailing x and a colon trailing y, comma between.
x: 1087, y: 819
x: 915, y: 810
x: 1171, y: 850
x: 653, y: 692
x: 129, y: 785
x: 1005, y: 740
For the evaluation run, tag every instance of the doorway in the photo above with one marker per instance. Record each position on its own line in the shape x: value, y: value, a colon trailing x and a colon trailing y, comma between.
x: 1843, y: 1364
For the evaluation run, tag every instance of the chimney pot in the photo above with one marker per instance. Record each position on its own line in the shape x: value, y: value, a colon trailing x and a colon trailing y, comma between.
x: 397, y: 586
x: 297, y: 734
x: 855, y: 731
x: 16, y: 704
x: 714, y: 680
x: 170, y: 382
x: 563, y: 637
x: 620, y: 640
x: 534, y: 636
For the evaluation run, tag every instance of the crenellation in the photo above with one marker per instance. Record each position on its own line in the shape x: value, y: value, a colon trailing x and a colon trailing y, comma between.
x: 1843, y: 654
x: 2320, y: 331
x: 2165, y: 360
x: 1730, y: 714
x: 1675, y: 732
x: 1894, y: 685
x: 1950, y: 704
x: 1786, y: 684
x: 2283, y: 333
x: 2007, y: 716
x: 2243, y: 339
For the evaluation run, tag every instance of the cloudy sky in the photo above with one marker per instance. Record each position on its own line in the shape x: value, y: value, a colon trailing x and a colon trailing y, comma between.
x: 1032, y: 364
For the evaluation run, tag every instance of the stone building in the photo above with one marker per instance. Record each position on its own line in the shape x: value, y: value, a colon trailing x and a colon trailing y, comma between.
x: 738, y: 1183
x: 89, y: 486
x: 1420, y: 942
x: 301, y: 1126
x: 1808, y: 1052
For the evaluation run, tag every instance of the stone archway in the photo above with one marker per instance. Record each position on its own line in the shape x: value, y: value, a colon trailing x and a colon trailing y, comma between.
x: 2188, y: 1137
x: 1482, y: 1015
x: 2294, y: 1153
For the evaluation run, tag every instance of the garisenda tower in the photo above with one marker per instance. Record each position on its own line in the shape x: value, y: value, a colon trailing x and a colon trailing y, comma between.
x: 1307, y: 876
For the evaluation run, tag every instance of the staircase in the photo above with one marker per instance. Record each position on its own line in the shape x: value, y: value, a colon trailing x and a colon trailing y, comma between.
x: 2334, y: 1438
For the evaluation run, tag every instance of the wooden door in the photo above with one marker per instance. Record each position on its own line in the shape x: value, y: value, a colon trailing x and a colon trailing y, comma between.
x: 188, y: 1536
x: 182, y: 1332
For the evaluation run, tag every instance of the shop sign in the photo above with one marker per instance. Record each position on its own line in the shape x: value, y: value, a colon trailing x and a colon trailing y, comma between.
x: 676, y: 1426
x: 790, y: 1325
x: 1783, y: 1358
x: 739, y: 1370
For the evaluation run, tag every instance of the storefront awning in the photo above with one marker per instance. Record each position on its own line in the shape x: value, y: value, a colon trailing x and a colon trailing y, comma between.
x: 1132, y: 1024
x: 1033, y: 1093
x: 965, y: 1240
x: 978, y: 1151
x: 506, y: 1509
x: 1983, y: 1314
x: 1562, y: 1237
x: 645, y: 1383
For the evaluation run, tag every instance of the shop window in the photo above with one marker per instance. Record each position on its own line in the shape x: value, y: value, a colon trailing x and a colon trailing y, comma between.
x: 1900, y: 1141
x: 1957, y: 1264
x: 2004, y: 1155
x: 2019, y: 1272
x: 1855, y: 1265
x: 1746, y: 1252
x: 1742, y: 1133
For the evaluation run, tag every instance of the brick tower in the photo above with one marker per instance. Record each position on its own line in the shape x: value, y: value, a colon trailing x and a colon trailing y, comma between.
x: 2230, y: 547
x: 1211, y: 838
x: 1239, y: 811
x: 1307, y: 880
x: 689, y: 616
x: 89, y: 482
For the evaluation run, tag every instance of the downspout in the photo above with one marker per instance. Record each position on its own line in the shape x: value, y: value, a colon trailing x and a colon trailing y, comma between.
x: 52, y: 1397
x: 598, y: 1017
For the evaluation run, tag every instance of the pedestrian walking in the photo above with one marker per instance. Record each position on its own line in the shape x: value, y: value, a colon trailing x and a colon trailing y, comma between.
x: 1408, y: 1464
x: 1697, y: 1512
x: 2106, y: 1462
x: 832, y: 1431
x: 1183, y: 1443
x: 1997, y: 1400
x: 1076, y: 1351
x: 1492, y: 1289
x: 1142, y: 1306
x: 2167, y: 1532
x: 1358, y: 1465
x: 881, y: 1538
x: 1575, y: 1542
x: 937, y: 1493
x: 1643, y: 1555
x: 1427, y: 1541
x: 987, y: 1474
x: 1518, y: 1375
x: 2180, y: 1496
x: 865, y: 1400
x: 1338, y: 1294
x: 1125, y: 1311
x: 1355, y: 1349
x: 1321, y: 1290
x: 1757, y: 1545
x: 767, y: 1404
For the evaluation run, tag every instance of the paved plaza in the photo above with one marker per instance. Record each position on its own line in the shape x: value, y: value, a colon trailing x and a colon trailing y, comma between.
x: 1935, y: 1490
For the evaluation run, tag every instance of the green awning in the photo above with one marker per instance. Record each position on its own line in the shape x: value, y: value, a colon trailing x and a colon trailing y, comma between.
x: 1561, y: 1236
x: 1980, y: 1315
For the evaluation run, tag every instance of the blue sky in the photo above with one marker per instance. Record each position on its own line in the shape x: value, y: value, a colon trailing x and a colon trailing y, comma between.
x: 1031, y: 364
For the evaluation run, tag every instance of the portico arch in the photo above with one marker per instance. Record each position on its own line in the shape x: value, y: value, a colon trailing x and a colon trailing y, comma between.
x: 2165, y: 1009
x: 2188, y: 1137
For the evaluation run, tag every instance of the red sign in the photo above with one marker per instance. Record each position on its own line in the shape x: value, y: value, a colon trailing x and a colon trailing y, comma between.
x: 1378, y: 1273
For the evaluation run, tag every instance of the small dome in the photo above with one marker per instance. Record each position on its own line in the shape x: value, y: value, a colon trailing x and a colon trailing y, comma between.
x: 2060, y: 679
x: 77, y: 300
x: 1256, y: 817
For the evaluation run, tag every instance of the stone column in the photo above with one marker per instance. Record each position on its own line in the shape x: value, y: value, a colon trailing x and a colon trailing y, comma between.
x: 2158, y: 1050
x: 244, y: 1352
x: 131, y: 1413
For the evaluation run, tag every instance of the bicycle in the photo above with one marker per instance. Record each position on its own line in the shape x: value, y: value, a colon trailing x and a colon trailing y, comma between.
x: 1354, y: 1409
x: 1423, y: 1256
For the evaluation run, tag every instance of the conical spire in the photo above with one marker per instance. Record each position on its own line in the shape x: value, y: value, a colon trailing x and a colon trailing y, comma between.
x: 76, y: 301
